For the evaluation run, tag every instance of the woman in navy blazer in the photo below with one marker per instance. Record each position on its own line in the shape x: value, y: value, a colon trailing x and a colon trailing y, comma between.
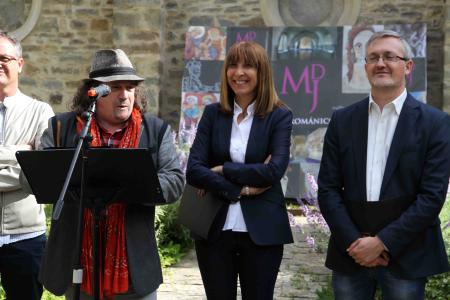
x: 239, y: 154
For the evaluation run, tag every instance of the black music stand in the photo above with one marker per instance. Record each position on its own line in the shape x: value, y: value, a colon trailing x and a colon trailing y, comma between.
x: 128, y: 171
x: 110, y: 175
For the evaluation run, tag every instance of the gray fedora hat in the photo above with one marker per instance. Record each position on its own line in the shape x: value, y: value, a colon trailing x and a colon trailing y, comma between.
x: 111, y: 65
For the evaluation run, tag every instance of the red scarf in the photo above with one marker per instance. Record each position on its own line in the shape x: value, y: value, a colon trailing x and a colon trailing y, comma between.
x: 113, y: 253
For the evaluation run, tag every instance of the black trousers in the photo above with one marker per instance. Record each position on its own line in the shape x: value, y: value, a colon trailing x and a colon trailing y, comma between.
x: 19, y: 268
x: 234, y: 254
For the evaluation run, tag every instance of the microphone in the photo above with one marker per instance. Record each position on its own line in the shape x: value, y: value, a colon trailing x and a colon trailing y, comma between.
x: 100, y: 91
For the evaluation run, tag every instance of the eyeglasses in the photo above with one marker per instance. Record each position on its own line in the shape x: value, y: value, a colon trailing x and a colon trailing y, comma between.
x: 4, y: 59
x: 392, y: 58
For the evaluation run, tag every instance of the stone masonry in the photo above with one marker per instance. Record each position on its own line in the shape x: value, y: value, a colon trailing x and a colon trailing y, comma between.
x: 446, y: 87
x: 152, y: 32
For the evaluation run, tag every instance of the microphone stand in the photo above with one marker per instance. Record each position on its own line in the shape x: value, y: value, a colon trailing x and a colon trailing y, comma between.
x: 83, y: 143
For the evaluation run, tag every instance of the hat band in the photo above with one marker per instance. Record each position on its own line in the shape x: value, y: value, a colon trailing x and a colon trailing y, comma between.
x: 112, y: 71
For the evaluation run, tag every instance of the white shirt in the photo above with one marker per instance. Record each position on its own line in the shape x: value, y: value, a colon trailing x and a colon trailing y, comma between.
x: 382, y: 126
x: 238, y: 146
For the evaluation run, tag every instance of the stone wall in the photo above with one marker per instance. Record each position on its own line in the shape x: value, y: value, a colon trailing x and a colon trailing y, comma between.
x: 59, y: 49
x: 152, y: 32
x: 446, y: 85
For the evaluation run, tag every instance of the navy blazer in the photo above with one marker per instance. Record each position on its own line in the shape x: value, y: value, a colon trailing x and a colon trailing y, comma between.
x: 417, y: 169
x: 265, y: 215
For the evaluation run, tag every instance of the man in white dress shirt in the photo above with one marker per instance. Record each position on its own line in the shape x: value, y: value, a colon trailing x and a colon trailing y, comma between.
x: 22, y: 220
x: 382, y: 183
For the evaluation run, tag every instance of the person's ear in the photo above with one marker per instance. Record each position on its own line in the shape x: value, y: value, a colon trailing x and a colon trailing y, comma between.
x: 21, y: 63
x: 409, y: 66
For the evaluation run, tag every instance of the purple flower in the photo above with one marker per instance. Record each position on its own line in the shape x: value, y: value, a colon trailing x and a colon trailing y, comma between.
x: 310, y: 209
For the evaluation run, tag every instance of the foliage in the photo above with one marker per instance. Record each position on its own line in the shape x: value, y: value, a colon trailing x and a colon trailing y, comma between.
x: 48, y: 214
x: 45, y: 296
x: 173, y: 239
x: 49, y: 296
x: 326, y: 291
x: 438, y: 287
x: 170, y: 254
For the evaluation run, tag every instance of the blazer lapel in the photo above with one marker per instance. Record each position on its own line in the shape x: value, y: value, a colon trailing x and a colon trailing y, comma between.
x: 225, y: 132
x: 359, y: 142
x: 405, y: 122
x: 254, y: 139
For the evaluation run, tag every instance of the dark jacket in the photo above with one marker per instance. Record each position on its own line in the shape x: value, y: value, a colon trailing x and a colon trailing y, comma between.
x: 265, y: 214
x: 143, y: 259
x: 413, y: 188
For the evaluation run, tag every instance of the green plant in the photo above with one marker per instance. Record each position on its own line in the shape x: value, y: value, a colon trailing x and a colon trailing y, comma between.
x: 45, y: 296
x: 438, y: 287
x: 49, y: 296
x: 168, y: 229
x: 326, y: 291
x: 173, y: 239
x: 171, y: 254
x: 48, y: 215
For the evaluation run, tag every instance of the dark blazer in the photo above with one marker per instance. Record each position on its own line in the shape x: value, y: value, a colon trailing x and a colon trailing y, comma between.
x: 415, y: 182
x: 265, y: 214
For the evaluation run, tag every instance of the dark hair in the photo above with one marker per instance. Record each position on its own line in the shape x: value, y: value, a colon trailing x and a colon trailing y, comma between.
x: 13, y: 40
x: 255, y: 55
x: 81, y: 101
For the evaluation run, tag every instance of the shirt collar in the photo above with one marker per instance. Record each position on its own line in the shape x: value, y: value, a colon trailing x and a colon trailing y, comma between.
x: 250, y: 108
x: 12, y: 100
x: 397, y: 102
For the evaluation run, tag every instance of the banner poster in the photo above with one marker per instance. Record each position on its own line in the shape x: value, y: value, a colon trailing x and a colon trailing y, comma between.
x: 317, y: 70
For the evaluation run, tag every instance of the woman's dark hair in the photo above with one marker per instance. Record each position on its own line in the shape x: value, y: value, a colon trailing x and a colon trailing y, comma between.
x: 255, y: 55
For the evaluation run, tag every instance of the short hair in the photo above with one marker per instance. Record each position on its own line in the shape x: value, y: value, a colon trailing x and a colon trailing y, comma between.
x: 254, y: 55
x: 390, y: 33
x: 81, y: 101
x: 14, y: 41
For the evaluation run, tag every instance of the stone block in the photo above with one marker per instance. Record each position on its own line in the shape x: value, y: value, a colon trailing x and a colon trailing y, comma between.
x: 125, y: 19
x: 86, y: 12
x: 255, y: 22
x: 78, y: 24
x: 48, y: 24
x: 201, y: 21
x: 171, y: 5
x: 55, y: 99
x: 26, y: 81
x: 144, y: 36
x: 225, y: 22
x: 100, y: 24
x: 53, y: 84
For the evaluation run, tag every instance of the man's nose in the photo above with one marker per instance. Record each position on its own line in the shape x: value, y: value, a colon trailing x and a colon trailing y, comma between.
x: 380, y: 61
x: 123, y: 94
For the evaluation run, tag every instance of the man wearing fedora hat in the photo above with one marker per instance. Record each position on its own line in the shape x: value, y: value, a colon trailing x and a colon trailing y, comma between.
x: 130, y: 266
x: 22, y: 220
